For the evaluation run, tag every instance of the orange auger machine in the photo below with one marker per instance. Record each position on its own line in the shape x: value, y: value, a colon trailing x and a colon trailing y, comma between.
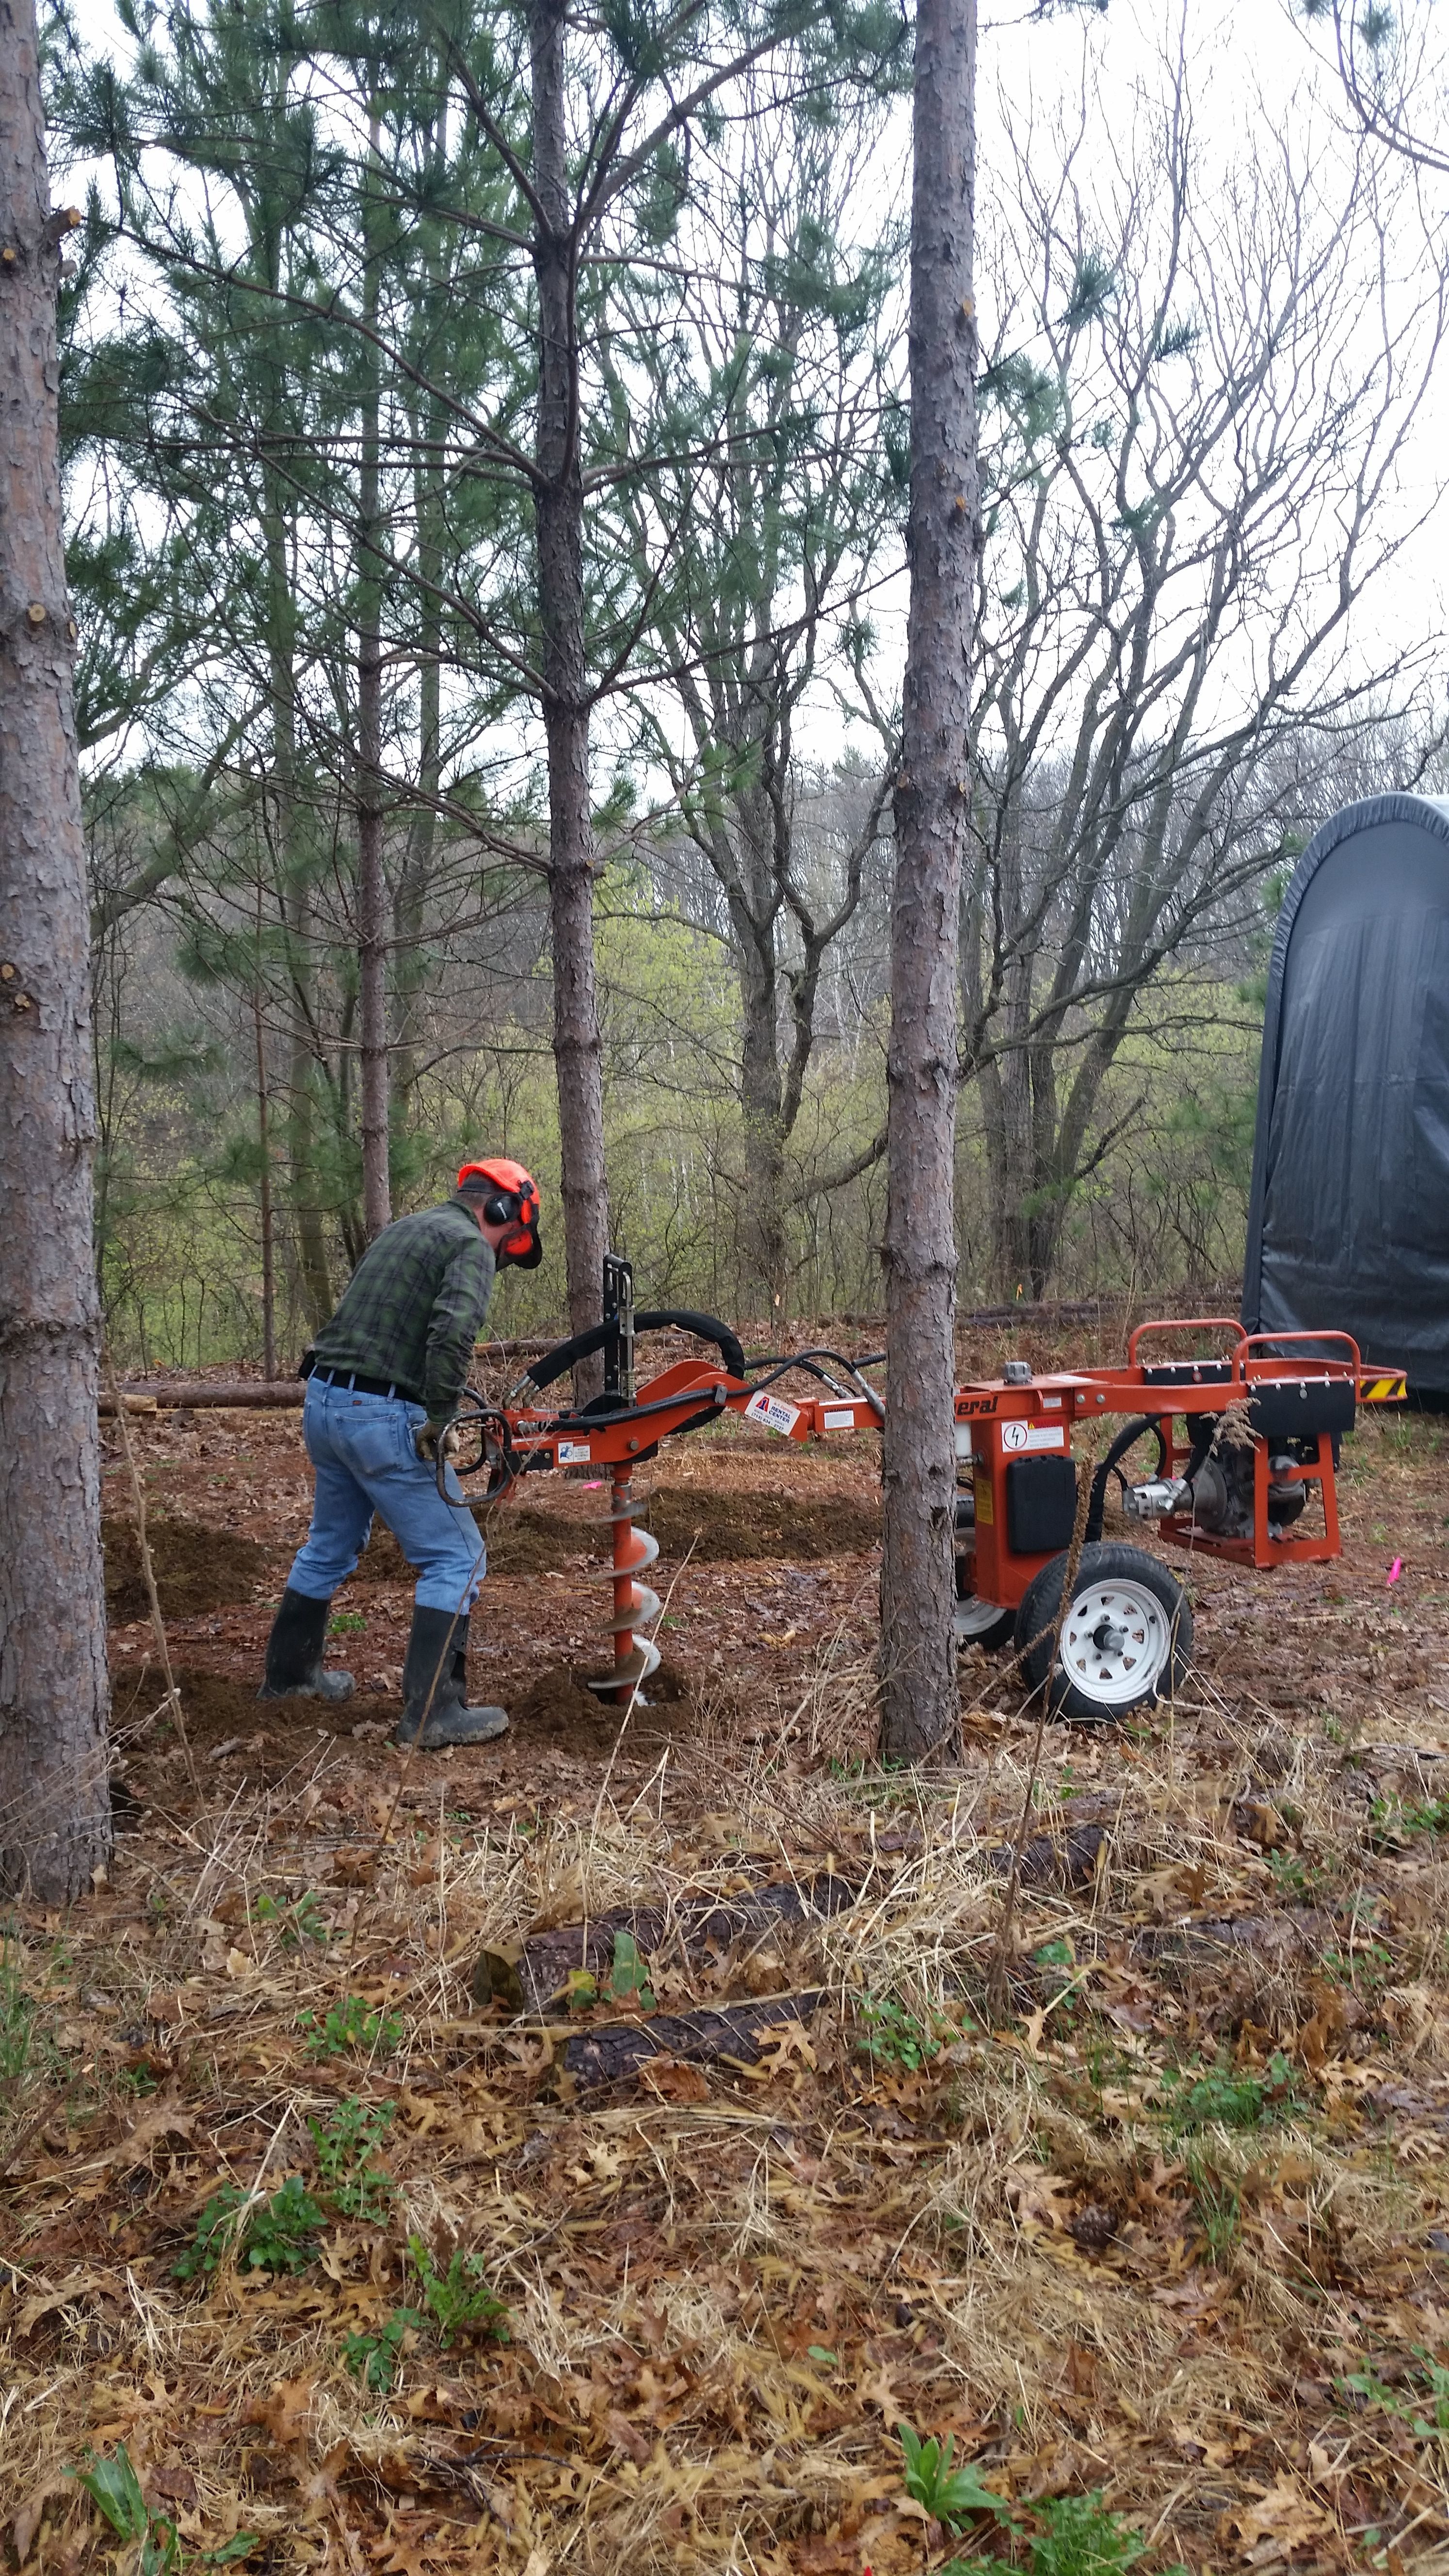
x: 1242, y: 1441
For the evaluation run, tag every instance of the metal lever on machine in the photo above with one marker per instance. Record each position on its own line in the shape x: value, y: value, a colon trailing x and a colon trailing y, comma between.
x: 634, y: 1658
x: 619, y: 1372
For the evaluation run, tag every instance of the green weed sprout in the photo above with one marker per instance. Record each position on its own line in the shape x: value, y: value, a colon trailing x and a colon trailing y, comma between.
x: 1408, y: 2408
x: 1223, y: 2099
x: 891, y: 2036
x: 373, y: 2358
x: 300, y: 1921
x: 626, y: 1982
x: 277, y: 2236
x: 948, y: 2494
x: 459, y: 2300
x: 355, y: 2186
x: 1079, y: 2537
x: 628, y: 1975
x: 115, y: 2491
x: 1218, y: 2204
x: 17, y: 2017
x: 1399, y: 1819
x: 350, y: 2026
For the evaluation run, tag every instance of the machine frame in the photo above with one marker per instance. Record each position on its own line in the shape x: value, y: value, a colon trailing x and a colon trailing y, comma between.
x: 1302, y: 1389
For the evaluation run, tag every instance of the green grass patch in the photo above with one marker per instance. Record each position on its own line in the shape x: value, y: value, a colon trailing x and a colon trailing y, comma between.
x: 350, y: 2028
x: 1229, y: 2097
x: 277, y: 2235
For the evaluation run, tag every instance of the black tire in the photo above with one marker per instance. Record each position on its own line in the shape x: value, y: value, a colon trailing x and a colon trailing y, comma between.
x: 997, y: 1628
x: 977, y: 1623
x: 1126, y: 1639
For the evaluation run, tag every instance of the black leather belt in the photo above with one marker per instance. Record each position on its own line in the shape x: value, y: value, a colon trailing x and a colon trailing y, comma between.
x: 361, y: 1385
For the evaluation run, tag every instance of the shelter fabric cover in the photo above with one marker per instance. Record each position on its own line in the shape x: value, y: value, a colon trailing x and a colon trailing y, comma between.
x: 1348, y: 1218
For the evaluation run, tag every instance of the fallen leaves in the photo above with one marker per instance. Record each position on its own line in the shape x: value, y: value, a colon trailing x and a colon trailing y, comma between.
x: 26, y: 2522
x: 1284, y: 2515
x: 164, y: 2121
x: 673, y: 2079
x: 730, y: 2275
x: 628, y: 2437
x: 80, y: 2287
x: 285, y: 2413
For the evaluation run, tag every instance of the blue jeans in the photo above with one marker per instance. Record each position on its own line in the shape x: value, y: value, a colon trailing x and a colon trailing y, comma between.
x: 361, y: 1447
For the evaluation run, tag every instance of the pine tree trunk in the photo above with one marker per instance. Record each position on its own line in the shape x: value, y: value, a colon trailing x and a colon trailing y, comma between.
x: 1005, y: 1093
x: 291, y: 864
x: 313, y: 1275
x: 415, y: 876
x: 919, y: 1706
x: 372, y: 939
x: 762, y: 1247
x: 559, y: 514
x: 429, y: 503
x: 264, y: 1158
x: 55, y: 1828
x: 372, y: 909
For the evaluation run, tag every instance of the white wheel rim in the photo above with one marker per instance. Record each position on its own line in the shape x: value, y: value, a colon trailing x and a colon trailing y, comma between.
x: 1116, y: 1642
x: 973, y: 1617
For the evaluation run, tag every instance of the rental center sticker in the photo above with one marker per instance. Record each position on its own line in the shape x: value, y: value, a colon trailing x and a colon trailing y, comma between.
x: 773, y: 1411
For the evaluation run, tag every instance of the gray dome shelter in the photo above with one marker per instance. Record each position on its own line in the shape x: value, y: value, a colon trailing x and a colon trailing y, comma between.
x: 1348, y: 1219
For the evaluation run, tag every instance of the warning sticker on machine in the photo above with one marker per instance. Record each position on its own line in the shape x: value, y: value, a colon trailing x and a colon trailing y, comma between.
x: 835, y: 1420
x: 1018, y: 1436
x: 773, y: 1411
x: 574, y: 1453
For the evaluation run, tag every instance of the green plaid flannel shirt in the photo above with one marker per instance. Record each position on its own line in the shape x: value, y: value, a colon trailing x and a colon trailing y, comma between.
x: 414, y: 1307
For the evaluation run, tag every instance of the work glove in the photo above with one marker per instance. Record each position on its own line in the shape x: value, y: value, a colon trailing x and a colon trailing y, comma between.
x: 431, y: 1438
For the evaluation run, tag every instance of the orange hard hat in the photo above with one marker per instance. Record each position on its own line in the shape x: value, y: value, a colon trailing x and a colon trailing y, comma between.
x: 507, y: 1191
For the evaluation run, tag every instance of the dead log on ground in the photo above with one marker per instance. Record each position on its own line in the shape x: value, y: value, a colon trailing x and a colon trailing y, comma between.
x: 1068, y: 1860
x: 535, y: 1976
x: 619, y: 2050
x: 1280, y: 1939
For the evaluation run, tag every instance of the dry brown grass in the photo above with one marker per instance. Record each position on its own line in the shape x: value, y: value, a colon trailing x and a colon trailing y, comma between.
x: 725, y: 2289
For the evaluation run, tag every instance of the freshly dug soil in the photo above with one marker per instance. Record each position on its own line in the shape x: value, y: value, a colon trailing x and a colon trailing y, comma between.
x: 736, y: 1528
x: 196, y: 1569
x: 557, y: 1709
x: 721, y: 1528
x: 269, y: 1736
x: 519, y: 1542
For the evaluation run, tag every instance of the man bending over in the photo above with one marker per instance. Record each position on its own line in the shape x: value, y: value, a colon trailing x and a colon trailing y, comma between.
x: 382, y: 1379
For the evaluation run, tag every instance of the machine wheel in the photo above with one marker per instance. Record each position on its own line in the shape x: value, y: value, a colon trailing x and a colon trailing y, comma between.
x: 982, y: 1623
x: 977, y: 1623
x: 1126, y: 1638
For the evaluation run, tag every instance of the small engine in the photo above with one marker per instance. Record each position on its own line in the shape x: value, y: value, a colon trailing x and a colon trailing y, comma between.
x: 1218, y: 1491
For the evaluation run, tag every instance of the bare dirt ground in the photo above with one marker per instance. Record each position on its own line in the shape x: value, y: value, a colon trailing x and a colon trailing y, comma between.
x: 361, y: 2272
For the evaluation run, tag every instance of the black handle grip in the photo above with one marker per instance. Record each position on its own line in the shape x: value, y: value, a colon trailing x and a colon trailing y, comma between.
x: 648, y: 1319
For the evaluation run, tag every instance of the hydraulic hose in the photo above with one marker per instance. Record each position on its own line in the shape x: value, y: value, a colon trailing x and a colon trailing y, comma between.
x: 1120, y: 1446
x: 648, y: 1319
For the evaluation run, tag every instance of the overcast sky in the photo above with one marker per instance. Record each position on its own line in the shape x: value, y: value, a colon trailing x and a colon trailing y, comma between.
x: 1247, y: 57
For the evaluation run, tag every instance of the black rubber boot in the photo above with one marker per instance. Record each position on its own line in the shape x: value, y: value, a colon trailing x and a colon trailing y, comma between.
x: 449, y: 1720
x: 294, y: 1653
